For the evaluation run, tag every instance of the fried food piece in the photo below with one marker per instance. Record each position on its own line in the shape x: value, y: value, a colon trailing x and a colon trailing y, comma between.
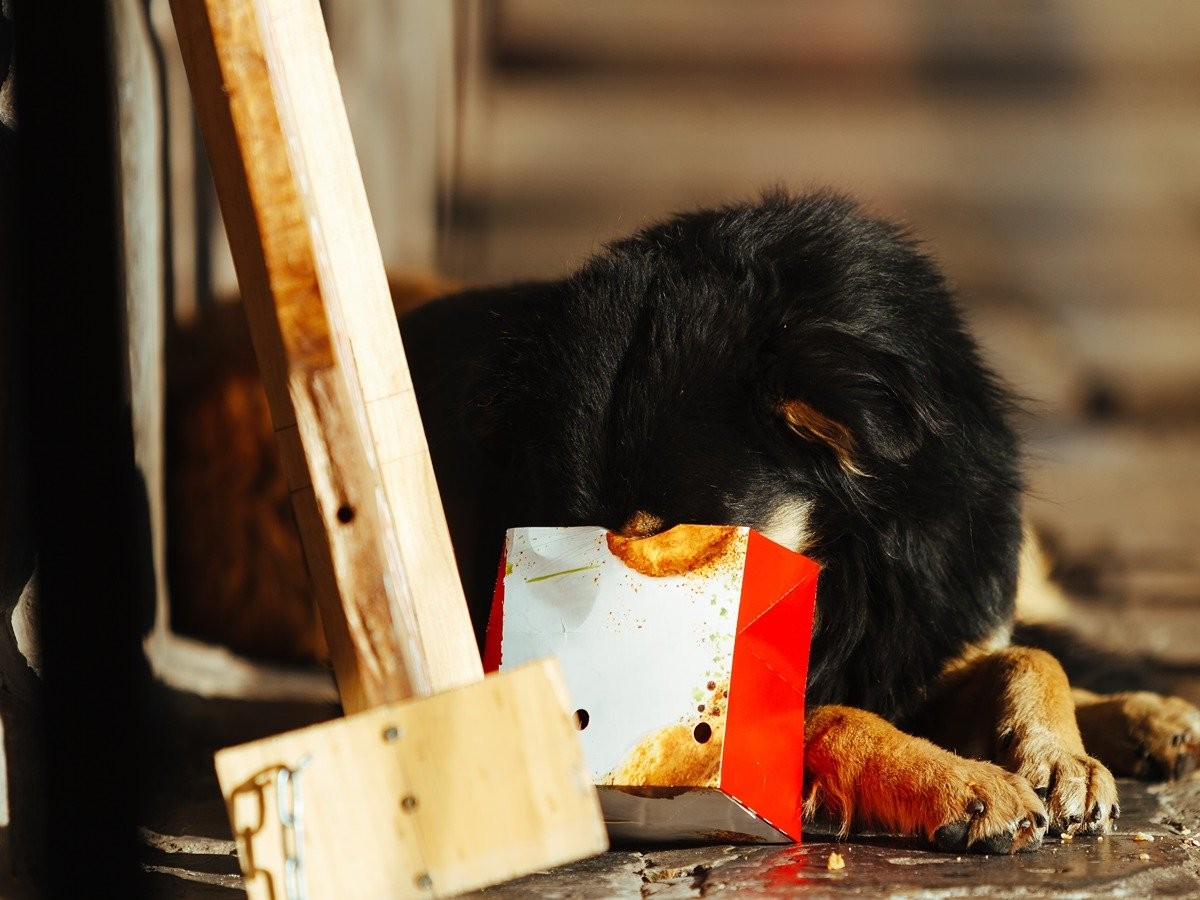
x: 684, y: 548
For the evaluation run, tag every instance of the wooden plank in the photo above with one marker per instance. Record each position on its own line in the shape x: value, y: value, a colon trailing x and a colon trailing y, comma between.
x: 427, y: 797
x: 359, y: 304
x: 357, y: 299
x: 303, y: 246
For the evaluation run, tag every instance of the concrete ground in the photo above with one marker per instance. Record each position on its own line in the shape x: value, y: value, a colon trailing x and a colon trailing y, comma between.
x: 1047, y: 154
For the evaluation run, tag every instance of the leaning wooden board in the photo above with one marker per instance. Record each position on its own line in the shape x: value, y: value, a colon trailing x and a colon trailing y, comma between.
x: 316, y: 294
x: 464, y: 811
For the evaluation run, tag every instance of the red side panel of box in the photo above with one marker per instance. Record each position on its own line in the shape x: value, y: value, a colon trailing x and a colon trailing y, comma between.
x: 494, y: 639
x: 763, y: 761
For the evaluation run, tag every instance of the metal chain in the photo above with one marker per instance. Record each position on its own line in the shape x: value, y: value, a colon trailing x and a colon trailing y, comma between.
x: 289, y: 807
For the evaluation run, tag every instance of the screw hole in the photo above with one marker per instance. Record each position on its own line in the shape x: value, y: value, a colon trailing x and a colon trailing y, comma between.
x: 409, y: 803
x: 702, y: 733
x: 391, y: 733
x: 581, y: 719
x: 345, y: 514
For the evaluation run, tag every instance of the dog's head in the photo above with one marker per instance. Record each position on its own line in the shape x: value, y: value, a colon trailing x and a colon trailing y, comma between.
x: 792, y: 365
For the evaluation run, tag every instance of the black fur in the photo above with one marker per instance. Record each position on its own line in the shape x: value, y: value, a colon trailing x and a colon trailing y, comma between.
x: 651, y: 380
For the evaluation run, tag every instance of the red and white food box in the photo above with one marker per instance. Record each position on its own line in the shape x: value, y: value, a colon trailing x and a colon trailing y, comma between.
x: 686, y: 655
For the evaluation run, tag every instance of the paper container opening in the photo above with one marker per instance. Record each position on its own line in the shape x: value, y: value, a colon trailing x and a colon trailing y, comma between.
x: 686, y: 656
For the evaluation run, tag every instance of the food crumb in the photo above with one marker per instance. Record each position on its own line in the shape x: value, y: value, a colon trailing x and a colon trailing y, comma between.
x: 1100, y: 838
x: 1067, y: 837
x: 836, y: 861
x: 1143, y: 837
x: 1143, y: 856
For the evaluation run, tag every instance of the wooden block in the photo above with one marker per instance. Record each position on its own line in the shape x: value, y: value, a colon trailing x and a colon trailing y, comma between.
x: 428, y: 797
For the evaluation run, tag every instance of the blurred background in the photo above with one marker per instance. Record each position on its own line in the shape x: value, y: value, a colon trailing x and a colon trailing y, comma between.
x: 1046, y: 152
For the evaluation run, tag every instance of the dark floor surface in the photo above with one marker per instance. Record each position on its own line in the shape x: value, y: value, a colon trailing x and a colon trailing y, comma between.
x: 187, y: 851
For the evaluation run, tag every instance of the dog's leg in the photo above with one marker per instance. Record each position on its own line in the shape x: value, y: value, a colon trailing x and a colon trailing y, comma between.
x: 868, y: 773
x: 1140, y: 734
x: 1015, y: 706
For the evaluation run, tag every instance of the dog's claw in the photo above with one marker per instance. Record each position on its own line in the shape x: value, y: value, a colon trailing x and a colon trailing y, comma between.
x: 1002, y: 814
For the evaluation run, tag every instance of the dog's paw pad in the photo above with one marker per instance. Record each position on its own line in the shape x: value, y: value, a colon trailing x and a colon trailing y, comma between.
x: 995, y: 811
x: 1001, y: 842
x: 953, y: 836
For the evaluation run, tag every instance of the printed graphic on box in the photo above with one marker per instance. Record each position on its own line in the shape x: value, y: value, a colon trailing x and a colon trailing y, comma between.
x: 685, y: 655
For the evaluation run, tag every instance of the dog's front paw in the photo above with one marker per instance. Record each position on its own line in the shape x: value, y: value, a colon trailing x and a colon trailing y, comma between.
x: 869, y: 774
x: 1080, y: 793
x: 1142, y: 735
x: 978, y: 806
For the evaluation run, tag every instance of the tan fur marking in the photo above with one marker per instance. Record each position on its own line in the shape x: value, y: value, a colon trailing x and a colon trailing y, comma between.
x: 816, y: 427
x: 1039, y: 597
x: 997, y: 640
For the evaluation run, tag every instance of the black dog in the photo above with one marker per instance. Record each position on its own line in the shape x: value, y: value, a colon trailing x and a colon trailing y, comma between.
x: 798, y: 367
x: 792, y: 366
